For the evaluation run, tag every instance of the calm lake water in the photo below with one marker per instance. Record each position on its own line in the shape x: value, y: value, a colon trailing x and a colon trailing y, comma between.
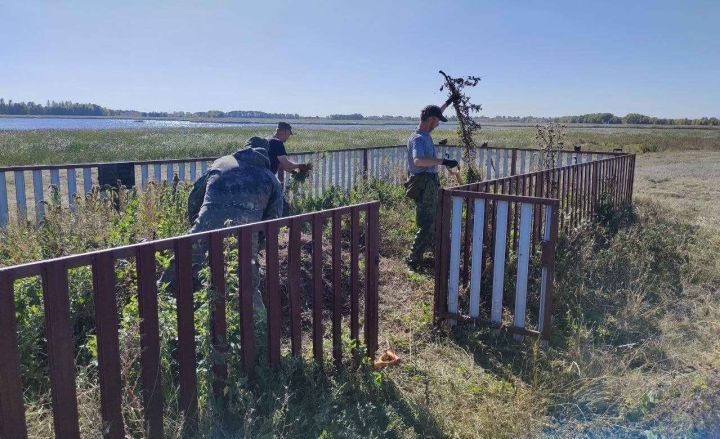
x: 53, y: 123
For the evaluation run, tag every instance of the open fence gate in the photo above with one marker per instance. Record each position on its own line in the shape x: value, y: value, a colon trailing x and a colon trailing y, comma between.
x: 496, y: 239
x: 496, y: 254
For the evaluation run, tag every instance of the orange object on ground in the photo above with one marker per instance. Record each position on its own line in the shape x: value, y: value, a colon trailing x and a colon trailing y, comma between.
x: 387, y: 359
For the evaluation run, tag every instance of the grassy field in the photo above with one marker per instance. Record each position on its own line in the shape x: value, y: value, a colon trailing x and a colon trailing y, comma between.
x: 51, y: 146
x: 636, y: 334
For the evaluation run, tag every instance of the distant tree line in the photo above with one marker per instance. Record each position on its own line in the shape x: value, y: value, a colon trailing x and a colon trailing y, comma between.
x: 353, y: 116
x: 608, y: 119
x: 67, y: 108
x: 64, y: 108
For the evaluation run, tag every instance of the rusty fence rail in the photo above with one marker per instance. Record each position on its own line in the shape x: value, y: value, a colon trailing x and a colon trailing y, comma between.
x: 352, y: 231
x: 24, y: 189
x: 486, y: 229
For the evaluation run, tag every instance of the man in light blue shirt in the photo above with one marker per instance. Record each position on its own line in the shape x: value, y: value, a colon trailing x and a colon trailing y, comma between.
x: 423, y: 184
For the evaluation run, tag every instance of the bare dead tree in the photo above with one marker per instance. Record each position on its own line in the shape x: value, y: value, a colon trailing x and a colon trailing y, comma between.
x: 551, y: 141
x: 467, y: 126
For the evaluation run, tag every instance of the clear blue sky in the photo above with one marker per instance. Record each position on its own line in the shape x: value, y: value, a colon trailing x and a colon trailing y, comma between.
x: 660, y: 58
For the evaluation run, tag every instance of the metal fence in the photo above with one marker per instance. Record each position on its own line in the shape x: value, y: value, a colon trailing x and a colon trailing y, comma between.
x: 353, y: 231
x: 487, y: 229
x: 25, y: 189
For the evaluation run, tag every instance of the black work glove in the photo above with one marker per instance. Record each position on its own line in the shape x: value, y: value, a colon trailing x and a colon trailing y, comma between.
x: 450, y: 163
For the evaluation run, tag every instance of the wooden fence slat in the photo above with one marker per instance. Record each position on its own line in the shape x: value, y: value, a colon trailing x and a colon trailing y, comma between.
x: 203, y: 166
x: 61, y: 350
x: 247, y: 323
x: 157, y: 171
x: 523, y: 264
x: 315, y: 174
x: 55, y: 178
x: 477, y: 256
x: 372, y: 261
x: 481, y: 161
x: 4, y: 208
x: 337, y: 159
x: 72, y: 187
x: 169, y: 172
x: 272, y: 289
x: 143, y: 176
x: 108, y: 346
x: 318, y: 289
x: 20, y: 199
x: 150, y: 372
x: 181, y: 171
x: 506, y: 160
x: 39, y: 196
x: 186, y: 333
x: 523, y: 154
x: 12, y: 409
x: 218, y: 319
x: 294, y: 256
x: 87, y: 180
x: 337, y: 286
x: 193, y: 171
x: 455, y: 232
x: 499, y: 262
x: 343, y: 174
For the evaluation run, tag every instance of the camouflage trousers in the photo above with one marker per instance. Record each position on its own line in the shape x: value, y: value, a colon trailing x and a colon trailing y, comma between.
x: 425, y: 211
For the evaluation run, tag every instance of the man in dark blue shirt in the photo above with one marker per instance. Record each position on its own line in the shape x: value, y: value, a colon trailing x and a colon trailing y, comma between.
x: 277, y: 153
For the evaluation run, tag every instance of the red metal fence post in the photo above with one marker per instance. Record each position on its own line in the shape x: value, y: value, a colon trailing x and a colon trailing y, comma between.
x: 61, y: 350
x: 186, y: 333
x: 272, y: 289
x: 442, y: 254
x: 467, y: 241
x: 149, y: 342
x: 294, y: 287
x: 318, y: 288
x: 372, y: 269
x: 354, y: 274
x: 548, y: 260
x: 12, y: 410
x: 218, y: 318
x: 337, y: 287
x: 247, y: 319
x: 632, y: 177
x: 594, y: 190
x: 108, y: 347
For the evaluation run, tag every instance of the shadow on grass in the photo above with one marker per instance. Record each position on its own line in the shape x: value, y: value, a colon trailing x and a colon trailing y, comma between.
x: 302, y: 400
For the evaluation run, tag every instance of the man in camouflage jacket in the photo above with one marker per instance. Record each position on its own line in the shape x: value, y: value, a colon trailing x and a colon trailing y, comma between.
x: 238, y: 189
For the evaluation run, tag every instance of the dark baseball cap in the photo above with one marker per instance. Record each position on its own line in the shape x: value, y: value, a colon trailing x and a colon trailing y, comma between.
x: 432, y: 110
x: 284, y: 126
